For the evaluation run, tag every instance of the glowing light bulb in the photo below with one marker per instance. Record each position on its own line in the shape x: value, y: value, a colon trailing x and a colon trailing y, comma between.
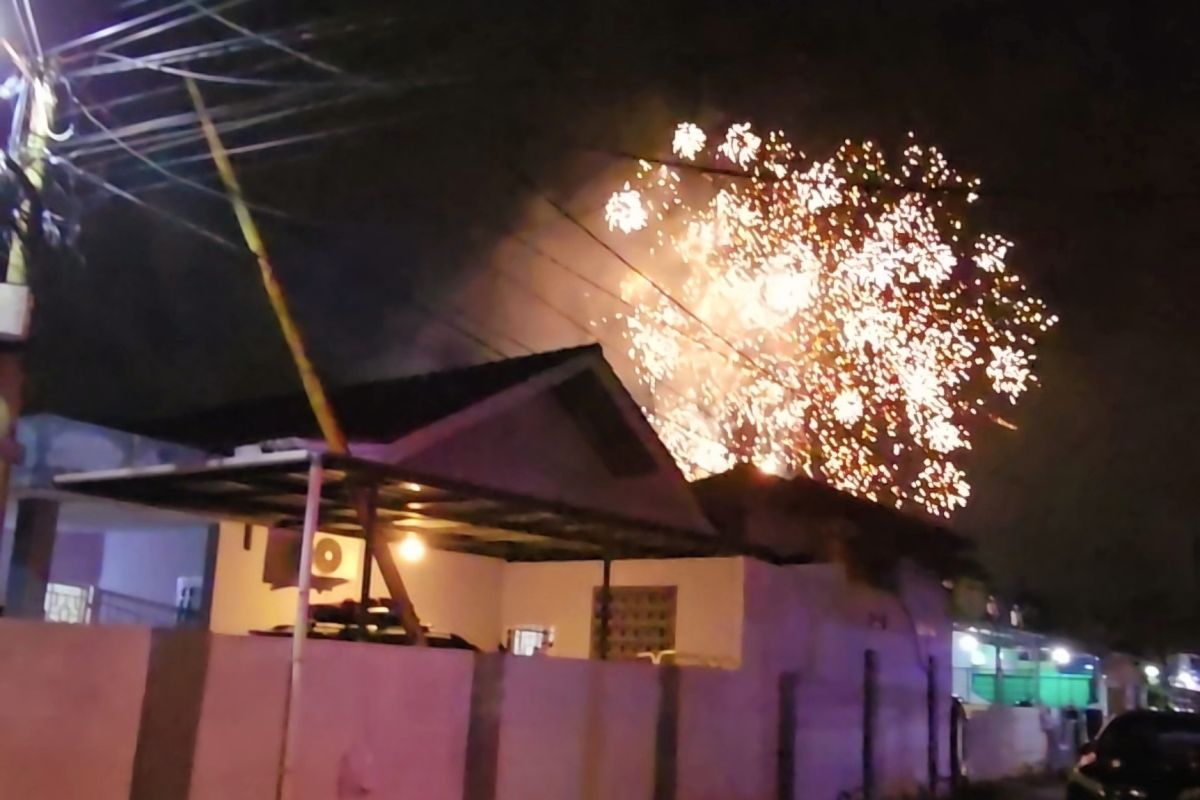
x: 412, y: 548
x: 1061, y: 656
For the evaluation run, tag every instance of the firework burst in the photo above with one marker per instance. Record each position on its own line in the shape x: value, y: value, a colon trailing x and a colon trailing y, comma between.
x: 834, y: 318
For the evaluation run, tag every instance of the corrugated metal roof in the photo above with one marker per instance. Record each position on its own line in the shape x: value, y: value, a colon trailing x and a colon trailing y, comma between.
x: 377, y: 411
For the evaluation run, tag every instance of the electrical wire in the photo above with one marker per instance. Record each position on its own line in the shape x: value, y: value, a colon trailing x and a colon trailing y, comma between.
x: 30, y: 45
x: 158, y: 211
x: 286, y: 141
x: 168, y: 89
x: 567, y: 215
x: 431, y: 313
x: 463, y: 314
x: 157, y: 29
x: 33, y: 29
x: 180, y: 55
x: 421, y: 305
x: 189, y: 119
x: 173, y: 176
x: 267, y: 39
x: 114, y: 29
x: 133, y: 62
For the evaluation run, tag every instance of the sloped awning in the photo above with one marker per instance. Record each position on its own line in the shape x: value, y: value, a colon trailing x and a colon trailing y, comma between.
x: 269, y: 489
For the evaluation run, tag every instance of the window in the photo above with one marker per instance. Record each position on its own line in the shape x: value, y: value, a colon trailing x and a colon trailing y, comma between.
x: 641, y: 620
x: 65, y: 602
x: 525, y: 641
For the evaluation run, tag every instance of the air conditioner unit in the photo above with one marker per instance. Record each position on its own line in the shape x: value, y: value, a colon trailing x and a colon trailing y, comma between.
x: 334, y: 557
x: 336, y: 560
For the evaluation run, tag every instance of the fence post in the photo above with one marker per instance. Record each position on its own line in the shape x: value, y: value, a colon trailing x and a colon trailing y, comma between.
x: 932, y: 717
x: 870, y: 706
x: 785, y: 765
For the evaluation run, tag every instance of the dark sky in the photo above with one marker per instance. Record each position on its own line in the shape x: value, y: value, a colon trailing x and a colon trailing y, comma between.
x: 1083, y: 120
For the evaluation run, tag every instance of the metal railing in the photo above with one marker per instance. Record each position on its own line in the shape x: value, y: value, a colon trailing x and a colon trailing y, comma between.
x: 92, y: 605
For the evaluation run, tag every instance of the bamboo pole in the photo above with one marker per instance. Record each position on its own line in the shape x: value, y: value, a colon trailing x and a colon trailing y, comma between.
x: 330, y: 429
x: 335, y: 438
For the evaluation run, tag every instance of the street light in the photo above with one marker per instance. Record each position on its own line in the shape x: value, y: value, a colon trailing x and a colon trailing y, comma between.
x: 1061, y: 656
x: 1152, y: 672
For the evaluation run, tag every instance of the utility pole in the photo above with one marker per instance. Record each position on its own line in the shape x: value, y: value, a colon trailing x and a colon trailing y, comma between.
x: 34, y: 107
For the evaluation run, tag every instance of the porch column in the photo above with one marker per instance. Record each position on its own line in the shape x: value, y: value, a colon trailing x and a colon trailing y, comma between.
x: 605, y: 608
x: 291, y: 719
x: 212, y: 542
x: 33, y: 548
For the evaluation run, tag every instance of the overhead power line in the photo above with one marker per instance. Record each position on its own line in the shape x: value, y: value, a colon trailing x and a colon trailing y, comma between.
x: 31, y: 46
x: 175, y: 219
x: 173, y: 176
x: 229, y: 114
x: 736, y: 351
x: 31, y: 20
x: 267, y: 39
x: 116, y: 28
x: 134, y: 62
x: 145, y: 33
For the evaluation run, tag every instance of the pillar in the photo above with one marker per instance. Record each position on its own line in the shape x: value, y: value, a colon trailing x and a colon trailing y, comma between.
x: 32, y: 551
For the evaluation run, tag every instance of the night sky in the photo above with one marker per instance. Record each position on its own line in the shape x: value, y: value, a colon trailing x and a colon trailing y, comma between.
x: 1083, y: 122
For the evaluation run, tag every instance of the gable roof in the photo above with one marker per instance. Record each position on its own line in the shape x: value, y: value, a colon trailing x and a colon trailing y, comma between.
x: 376, y: 411
x: 875, y: 537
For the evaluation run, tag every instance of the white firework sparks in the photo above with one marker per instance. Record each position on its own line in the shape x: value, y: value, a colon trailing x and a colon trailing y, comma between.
x: 689, y: 141
x: 740, y: 145
x: 624, y: 211
x: 1010, y: 371
x: 869, y: 327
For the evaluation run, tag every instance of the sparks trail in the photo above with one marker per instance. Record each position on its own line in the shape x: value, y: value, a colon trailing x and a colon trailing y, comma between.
x: 880, y: 329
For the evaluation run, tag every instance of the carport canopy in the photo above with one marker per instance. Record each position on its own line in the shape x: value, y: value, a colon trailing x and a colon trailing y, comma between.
x: 270, y: 489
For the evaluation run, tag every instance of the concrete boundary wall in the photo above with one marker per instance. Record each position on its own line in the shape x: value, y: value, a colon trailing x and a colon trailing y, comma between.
x: 70, y: 708
x: 378, y: 721
x: 1002, y: 741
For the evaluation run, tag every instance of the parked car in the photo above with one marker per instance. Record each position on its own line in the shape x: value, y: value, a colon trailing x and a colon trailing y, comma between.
x: 1150, y: 755
x: 347, y: 621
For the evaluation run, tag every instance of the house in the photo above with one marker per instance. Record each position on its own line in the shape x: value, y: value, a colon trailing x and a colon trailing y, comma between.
x: 551, y: 511
x: 82, y: 560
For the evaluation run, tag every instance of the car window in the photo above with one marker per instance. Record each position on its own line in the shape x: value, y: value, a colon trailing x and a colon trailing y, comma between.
x: 1159, y: 738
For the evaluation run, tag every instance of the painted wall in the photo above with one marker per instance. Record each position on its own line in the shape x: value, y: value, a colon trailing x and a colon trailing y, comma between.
x: 70, y: 705
x: 393, y: 722
x: 1003, y: 741
x: 146, y: 563
x: 709, y: 602
x: 480, y: 598
x: 375, y: 721
x: 728, y: 744
x: 811, y: 621
x: 53, y: 445
x: 453, y: 592
x: 241, y: 718
x: 77, y: 559
x: 577, y: 729
x: 378, y: 721
x: 242, y: 601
